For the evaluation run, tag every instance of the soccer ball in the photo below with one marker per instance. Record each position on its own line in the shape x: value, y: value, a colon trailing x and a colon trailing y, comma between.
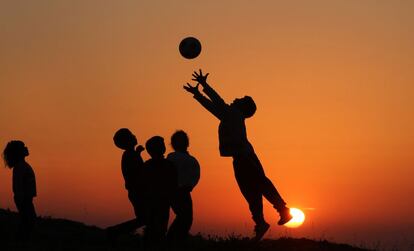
x: 190, y: 47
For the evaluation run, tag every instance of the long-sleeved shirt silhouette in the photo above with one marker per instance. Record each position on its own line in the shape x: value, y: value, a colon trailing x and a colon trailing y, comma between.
x: 232, y: 129
x: 132, y: 166
x: 24, y: 181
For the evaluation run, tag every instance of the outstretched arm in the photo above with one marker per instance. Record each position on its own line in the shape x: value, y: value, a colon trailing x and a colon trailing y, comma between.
x: 210, y: 92
x: 205, y: 102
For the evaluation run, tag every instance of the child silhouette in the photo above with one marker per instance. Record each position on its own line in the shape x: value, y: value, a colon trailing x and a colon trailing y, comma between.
x: 132, y: 168
x: 160, y: 185
x: 24, y: 186
x: 188, y: 171
x: 233, y: 142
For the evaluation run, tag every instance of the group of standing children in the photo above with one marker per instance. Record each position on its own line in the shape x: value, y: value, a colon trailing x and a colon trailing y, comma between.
x: 153, y: 186
x: 156, y: 185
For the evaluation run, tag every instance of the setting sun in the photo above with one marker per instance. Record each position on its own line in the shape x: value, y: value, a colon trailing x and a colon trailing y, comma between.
x: 298, y: 218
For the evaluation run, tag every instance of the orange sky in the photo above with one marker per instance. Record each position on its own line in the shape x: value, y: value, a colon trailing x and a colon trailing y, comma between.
x: 333, y: 82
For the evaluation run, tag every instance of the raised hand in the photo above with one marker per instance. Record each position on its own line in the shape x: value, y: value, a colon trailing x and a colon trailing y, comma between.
x: 198, y: 76
x: 192, y: 89
x: 139, y: 149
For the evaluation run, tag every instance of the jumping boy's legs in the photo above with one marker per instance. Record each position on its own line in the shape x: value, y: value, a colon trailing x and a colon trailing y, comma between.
x: 268, y: 189
x: 272, y: 195
x: 254, y: 184
x: 251, y: 191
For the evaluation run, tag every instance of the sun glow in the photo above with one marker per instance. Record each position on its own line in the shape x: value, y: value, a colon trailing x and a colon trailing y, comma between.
x: 298, y: 218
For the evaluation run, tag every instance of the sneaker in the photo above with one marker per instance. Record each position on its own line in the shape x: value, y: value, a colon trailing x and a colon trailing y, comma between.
x: 260, y: 231
x: 285, y: 216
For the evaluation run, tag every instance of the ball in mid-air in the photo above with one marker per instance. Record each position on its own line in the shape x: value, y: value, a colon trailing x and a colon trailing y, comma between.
x: 190, y: 47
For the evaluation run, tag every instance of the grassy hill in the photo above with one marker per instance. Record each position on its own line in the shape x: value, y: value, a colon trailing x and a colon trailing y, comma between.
x: 60, y: 234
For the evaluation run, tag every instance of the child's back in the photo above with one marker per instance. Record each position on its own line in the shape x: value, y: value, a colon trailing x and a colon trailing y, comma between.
x: 160, y: 180
x: 232, y: 133
x: 188, y: 169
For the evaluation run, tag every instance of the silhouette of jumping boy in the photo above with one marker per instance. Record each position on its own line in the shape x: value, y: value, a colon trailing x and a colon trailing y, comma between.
x: 160, y: 185
x: 233, y: 142
x: 188, y: 171
x: 132, y: 168
x: 24, y: 186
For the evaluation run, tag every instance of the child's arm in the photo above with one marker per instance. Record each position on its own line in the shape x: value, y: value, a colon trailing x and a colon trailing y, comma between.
x: 210, y: 92
x: 205, y: 102
x: 139, y: 149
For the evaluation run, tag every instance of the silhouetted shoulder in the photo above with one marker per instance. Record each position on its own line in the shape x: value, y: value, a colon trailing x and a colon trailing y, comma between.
x: 179, y: 157
x: 131, y: 157
x: 159, y: 168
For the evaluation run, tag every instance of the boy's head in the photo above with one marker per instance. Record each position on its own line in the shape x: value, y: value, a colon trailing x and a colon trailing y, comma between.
x: 124, y: 139
x: 179, y: 141
x: 246, y: 105
x: 14, y: 152
x: 155, y: 147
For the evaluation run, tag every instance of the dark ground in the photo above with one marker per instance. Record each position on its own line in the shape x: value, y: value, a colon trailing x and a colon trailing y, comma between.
x: 59, y: 234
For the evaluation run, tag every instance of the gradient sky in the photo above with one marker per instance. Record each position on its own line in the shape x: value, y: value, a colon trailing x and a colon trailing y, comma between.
x: 333, y: 82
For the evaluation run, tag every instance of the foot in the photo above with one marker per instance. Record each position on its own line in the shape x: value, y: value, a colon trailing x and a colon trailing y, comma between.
x: 285, y: 216
x: 260, y: 231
